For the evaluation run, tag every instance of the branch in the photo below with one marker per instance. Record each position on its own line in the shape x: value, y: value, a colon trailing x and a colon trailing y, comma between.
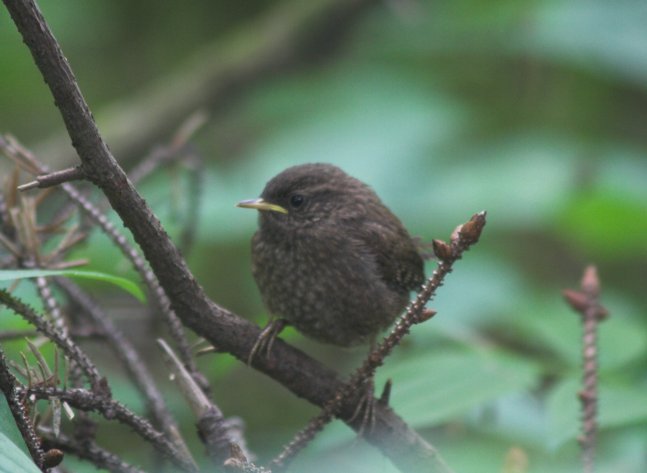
x: 72, y: 351
x: 90, y: 451
x: 159, y: 299
x: 216, y: 432
x: 87, y: 401
x: 586, y: 303
x: 464, y: 237
x: 53, y: 179
x: 298, y: 372
x: 125, y: 351
x: 8, y: 387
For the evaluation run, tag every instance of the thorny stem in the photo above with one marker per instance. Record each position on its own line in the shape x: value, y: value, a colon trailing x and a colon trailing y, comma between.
x: 71, y: 350
x: 227, y: 331
x: 8, y: 387
x: 90, y: 451
x: 465, y: 237
x: 589, y: 396
x: 87, y: 401
x: 586, y: 303
x: 45, y: 293
x: 159, y: 296
x: 17, y: 152
x: 126, y: 352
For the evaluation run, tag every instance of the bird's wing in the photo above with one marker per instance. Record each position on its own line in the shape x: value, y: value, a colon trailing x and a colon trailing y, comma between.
x: 397, y: 257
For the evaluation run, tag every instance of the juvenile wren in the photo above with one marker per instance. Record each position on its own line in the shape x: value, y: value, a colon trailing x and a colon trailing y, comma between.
x: 329, y: 257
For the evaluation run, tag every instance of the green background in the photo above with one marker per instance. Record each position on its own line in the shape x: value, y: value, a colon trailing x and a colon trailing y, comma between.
x: 535, y: 111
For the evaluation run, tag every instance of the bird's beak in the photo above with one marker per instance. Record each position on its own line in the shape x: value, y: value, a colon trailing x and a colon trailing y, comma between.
x: 260, y: 204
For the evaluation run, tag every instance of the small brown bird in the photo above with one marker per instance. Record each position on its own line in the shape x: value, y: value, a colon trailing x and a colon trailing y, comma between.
x: 329, y: 257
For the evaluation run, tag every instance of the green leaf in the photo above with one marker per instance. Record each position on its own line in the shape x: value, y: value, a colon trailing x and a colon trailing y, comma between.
x: 606, y: 223
x: 13, y: 456
x: 551, y: 324
x: 618, y: 405
x: 125, y: 284
x: 12, y: 459
x: 436, y: 387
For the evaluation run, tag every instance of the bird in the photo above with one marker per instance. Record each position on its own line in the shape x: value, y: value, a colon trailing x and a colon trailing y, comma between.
x: 329, y: 258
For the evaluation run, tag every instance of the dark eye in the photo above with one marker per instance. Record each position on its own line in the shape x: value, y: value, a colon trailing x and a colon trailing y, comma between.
x: 297, y: 200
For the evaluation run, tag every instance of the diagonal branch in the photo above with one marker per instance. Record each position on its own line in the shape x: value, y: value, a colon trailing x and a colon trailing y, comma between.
x: 125, y: 351
x: 298, y: 372
x: 72, y: 351
x: 465, y: 236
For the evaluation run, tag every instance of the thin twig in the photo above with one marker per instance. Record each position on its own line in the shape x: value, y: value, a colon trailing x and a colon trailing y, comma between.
x: 216, y: 432
x: 8, y: 385
x: 415, y: 313
x: 53, y: 179
x: 88, y: 401
x: 164, y: 154
x: 71, y: 350
x: 128, y: 355
x: 586, y: 303
x: 225, y: 330
x: 90, y: 451
x: 159, y: 299
x: 51, y: 305
x: 239, y: 463
x: 197, y: 178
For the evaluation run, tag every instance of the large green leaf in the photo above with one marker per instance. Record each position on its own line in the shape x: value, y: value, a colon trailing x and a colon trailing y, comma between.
x: 12, y: 459
x: 606, y: 223
x: 550, y: 324
x: 433, y: 388
x: 125, y: 284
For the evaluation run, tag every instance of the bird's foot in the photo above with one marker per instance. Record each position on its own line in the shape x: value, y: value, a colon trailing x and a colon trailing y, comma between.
x: 265, y: 340
x: 365, y: 409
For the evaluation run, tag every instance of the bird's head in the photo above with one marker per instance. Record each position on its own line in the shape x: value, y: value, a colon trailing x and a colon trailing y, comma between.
x: 309, y: 195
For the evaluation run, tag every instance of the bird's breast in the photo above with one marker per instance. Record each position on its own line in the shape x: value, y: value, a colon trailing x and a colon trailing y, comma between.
x: 328, y: 289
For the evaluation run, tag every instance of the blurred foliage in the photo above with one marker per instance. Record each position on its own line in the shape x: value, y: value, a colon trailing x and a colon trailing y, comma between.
x: 534, y: 111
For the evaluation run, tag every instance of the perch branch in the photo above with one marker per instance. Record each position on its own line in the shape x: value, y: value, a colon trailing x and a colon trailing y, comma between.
x: 298, y: 372
x: 416, y: 312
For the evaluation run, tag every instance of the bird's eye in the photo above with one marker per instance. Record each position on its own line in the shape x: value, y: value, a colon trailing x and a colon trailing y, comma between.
x: 297, y: 200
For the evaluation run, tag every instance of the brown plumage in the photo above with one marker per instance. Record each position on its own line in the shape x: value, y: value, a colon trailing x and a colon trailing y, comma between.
x: 329, y: 257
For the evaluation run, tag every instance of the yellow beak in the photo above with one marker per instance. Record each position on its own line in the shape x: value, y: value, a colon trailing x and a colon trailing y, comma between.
x: 260, y: 204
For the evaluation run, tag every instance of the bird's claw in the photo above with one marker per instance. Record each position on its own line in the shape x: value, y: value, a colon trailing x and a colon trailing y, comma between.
x: 366, y: 409
x: 265, y: 339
